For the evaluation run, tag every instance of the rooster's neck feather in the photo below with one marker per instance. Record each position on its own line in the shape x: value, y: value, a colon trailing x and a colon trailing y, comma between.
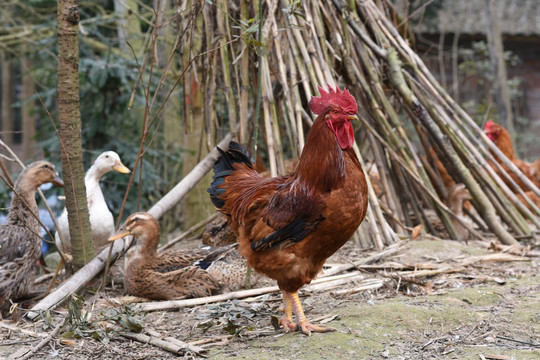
x: 322, y: 164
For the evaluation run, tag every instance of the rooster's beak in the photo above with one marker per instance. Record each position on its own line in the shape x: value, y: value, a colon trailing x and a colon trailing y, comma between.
x: 352, y: 117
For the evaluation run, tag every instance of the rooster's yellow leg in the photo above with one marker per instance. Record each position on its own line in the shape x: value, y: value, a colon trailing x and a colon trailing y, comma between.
x: 306, y: 327
x: 287, y: 320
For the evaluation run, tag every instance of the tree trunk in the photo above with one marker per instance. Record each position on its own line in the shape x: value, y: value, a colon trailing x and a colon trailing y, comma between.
x: 8, y: 117
x: 496, y: 53
x: 28, y: 109
x: 70, y: 132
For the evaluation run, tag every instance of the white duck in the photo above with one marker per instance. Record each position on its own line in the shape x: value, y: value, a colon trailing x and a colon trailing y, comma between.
x: 101, y: 219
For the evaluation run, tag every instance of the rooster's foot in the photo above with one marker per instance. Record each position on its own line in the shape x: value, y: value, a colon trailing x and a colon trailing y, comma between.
x: 307, y: 328
x: 287, y: 324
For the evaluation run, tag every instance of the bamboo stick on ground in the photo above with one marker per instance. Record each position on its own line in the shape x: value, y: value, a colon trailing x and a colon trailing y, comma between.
x: 371, y: 285
x: 42, y: 343
x: 173, y: 347
x: 176, y: 304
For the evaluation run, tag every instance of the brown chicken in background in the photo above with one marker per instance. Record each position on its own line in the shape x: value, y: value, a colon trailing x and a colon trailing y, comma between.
x: 288, y: 226
x: 446, y: 178
x: 501, y: 138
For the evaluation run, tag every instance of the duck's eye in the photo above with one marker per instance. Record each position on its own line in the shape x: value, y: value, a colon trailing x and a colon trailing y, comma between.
x: 107, y: 156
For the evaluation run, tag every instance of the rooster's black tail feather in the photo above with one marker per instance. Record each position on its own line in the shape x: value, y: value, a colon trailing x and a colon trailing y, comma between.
x: 224, y: 167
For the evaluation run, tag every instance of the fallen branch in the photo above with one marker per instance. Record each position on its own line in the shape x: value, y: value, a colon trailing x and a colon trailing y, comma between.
x: 422, y: 273
x: 397, y: 266
x: 369, y: 284
x: 176, y: 304
x: 76, y: 282
x: 514, y: 249
x: 211, y: 341
x: 391, y: 250
x: 41, y: 344
x: 23, y: 331
x: 517, y: 341
x: 494, y: 357
x: 43, y: 278
x: 169, y: 346
x: 190, y: 347
x: 353, y: 276
x: 498, y: 257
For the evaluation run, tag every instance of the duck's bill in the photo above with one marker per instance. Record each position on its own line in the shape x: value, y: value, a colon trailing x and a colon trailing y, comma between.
x: 118, y: 235
x: 58, y: 181
x: 121, y: 168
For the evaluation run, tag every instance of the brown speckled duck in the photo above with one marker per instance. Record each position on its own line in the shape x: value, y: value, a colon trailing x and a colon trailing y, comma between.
x: 20, y: 236
x: 176, y: 275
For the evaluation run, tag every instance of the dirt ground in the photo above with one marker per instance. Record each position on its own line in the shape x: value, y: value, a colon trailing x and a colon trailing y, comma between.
x: 433, y: 299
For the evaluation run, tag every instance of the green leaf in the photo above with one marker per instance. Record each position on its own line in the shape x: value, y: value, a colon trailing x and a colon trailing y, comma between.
x: 231, y: 328
x: 67, y: 334
x: 275, y: 322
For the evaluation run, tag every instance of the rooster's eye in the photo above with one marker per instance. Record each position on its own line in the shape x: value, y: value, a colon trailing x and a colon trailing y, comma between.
x: 335, y: 112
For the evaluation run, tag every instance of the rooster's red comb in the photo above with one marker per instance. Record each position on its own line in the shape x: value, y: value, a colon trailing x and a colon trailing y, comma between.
x: 489, y: 124
x: 333, y: 97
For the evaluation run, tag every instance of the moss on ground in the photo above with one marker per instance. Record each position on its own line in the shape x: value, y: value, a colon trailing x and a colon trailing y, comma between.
x: 398, y: 328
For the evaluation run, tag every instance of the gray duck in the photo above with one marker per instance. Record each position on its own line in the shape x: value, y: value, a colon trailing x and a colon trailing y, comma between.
x: 20, y: 236
x: 176, y: 274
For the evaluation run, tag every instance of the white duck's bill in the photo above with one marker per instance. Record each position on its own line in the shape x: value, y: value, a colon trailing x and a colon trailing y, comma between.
x: 121, y: 168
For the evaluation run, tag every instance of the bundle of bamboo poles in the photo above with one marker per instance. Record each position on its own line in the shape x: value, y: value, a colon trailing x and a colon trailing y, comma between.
x: 268, y: 73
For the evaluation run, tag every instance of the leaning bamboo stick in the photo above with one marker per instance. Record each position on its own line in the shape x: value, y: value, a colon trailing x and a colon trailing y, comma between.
x: 188, y: 232
x: 225, y: 62
x: 486, y: 208
x: 243, y: 101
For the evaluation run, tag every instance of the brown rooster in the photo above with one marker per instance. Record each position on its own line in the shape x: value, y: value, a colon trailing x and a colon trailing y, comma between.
x: 501, y: 138
x: 288, y: 226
